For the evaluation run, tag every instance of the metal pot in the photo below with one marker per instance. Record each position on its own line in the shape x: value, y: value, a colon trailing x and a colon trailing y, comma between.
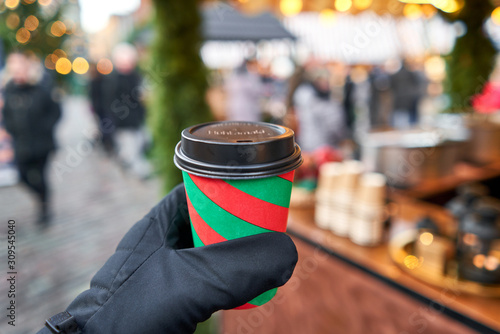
x: 410, y: 157
x: 484, y: 145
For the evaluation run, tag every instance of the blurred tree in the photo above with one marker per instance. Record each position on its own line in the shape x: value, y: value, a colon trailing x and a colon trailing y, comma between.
x: 31, y: 25
x: 179, y: 92
x: 472, y: 59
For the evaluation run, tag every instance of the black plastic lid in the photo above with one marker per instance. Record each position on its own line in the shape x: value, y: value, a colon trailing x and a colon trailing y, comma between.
x: 237, y: 150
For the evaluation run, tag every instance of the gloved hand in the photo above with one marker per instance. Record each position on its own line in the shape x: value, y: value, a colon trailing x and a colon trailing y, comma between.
x: 157, y: 283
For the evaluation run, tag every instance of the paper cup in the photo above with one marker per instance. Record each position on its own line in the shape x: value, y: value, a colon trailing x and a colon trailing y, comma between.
x: 238, y: 178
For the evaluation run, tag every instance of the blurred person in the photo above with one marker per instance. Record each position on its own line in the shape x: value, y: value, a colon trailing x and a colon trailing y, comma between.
x: 407, y: 90
x: 157, y: 282
x: 244, y: 89
x: 379, y: 97
x: 30, y: 115
x: 122, y: 99
x: 321, y: 120
x: 102, y: 114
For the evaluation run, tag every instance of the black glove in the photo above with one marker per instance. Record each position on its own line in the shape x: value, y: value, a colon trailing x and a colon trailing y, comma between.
x: 157, y: 283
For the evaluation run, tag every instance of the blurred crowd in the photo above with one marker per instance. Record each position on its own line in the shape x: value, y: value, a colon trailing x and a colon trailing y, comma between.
x: 327, y: 105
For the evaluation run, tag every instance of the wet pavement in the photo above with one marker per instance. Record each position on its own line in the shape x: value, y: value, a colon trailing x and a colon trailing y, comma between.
x: 94, y: 205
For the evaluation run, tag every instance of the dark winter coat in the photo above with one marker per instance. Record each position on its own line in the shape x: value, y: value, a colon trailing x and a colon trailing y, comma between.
x: 30, y: 115
x: 121, y: 96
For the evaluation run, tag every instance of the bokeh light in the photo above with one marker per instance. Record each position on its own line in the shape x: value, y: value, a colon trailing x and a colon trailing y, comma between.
x: 412, y: 11
x: 44, y: 2
x: 411, y: 262
x: 104, y: 66
x: 343, y: 5
x: 31, y: 23
x: 60, y: 53
x: 495, y: 16
x: 12, y: 21
x: 428, y: 10
x: 11, y: 4
x: 290, y: 7
x: 478, y: 260
x: 23, y: 35
x: 29, y: 2
x: 362, y: 4
x: 327, y: 16
x: 435, y: 68
x: 58, y: 29
x: 50, y: 63
x: 80, y: 65
x: 426, y: 238
x: 491, y: 263
x: 63, y: 66
x: 448, y: 6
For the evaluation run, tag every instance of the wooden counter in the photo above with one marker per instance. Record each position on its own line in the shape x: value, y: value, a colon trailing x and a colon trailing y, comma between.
x: 340, y: 287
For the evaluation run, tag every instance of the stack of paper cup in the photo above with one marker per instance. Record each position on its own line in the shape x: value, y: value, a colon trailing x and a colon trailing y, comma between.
x: 368, y: 210
x: 343, y: 197
x: 328, y: 178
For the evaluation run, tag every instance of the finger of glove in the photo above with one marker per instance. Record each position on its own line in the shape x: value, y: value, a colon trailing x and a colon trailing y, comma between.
x: 228, y: 274
x: 172, y: 213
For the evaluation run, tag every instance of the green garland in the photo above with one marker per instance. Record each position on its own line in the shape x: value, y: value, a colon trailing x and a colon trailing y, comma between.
x: 42, y: 42
x: 179, y: 93
x: 470, y: 63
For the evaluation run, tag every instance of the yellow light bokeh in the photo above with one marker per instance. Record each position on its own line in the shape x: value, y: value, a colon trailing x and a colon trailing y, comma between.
x: 435, y: 68
x: 327, y: 16
x: 31, y: 23
x: 448, y: 6
x: 44, y: 2
x: 58, y: 29
x: 362, y: 4
x: 429, y: 10
x: 426, y: 238
x: 412, y: 11
x: 12, y: 21
x: 63, y: 66
x: 411, y: 262
x: 49, y: 62
x: 11, y: 4
x: 80, y: 65
x: 23, y: 35
x: 104, y: 66
x: 290, y: 7
x: 495, y: 16
x: 491, y: 263
x: 343, y: 5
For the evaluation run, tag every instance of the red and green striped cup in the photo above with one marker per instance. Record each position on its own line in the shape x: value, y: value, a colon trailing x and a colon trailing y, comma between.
x: 238, y: 178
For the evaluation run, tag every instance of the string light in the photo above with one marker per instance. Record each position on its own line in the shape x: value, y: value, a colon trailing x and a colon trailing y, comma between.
x: 63, y: 66
x: 290, y: 7
x: 80, y: 65
x: 343, y: 5
x: 44, y: 2
x: 49, y: 62
x: 104, y: 66
x: 31, y: 23
x: 23, y: 35
x: 11, y: 4
x: 327, y: 16
x: 58, y: 29
x: 412, y: 11
x: 362, y: 4
x: 12, y: 21
x: 495, y: 16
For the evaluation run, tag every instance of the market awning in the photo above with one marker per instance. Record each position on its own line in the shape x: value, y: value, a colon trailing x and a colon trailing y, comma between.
x: 222, y: 22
